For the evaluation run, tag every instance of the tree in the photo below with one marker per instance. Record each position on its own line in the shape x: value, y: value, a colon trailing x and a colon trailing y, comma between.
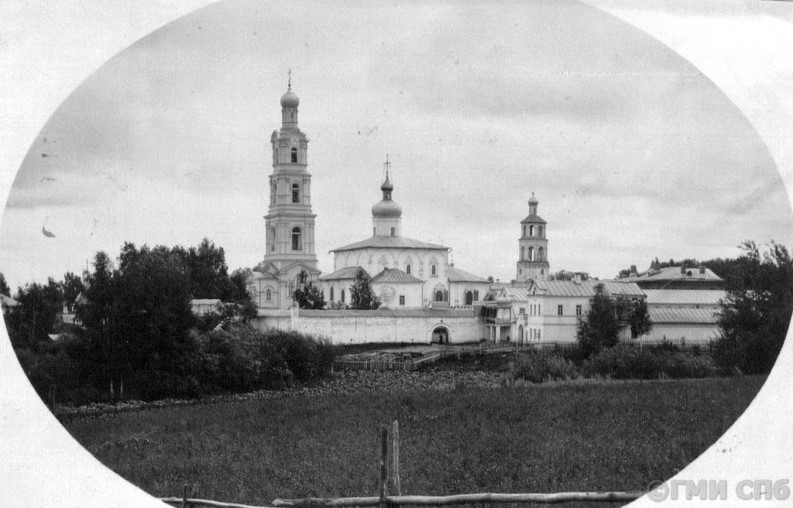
x: 600, y: 328
x: 208, y: 271
x: 755, y: 315
x: 565, y: 275
x: 639, y: 319
x: 36, y: 314
x: 71, y: 286
x: 361, y: 294
x: 4, y: 289
x: 307, y: 295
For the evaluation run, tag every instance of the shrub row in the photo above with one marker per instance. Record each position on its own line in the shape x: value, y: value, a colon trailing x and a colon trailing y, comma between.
x: 623, y: 361
x: 236, y: 358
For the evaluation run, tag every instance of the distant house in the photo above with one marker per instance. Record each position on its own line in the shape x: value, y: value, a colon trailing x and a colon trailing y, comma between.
x: 548, y: 310
x: 202, y: 306
x: 683, y: 315
x: 676, y: 277
x: 7, y: 303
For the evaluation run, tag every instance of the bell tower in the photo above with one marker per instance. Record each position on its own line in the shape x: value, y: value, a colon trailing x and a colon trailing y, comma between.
x: 532, y: 246
x: 289, y: 222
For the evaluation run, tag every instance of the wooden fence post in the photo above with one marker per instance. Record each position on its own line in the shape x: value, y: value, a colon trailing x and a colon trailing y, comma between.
x: 397, y: 482
x: 383, y: 464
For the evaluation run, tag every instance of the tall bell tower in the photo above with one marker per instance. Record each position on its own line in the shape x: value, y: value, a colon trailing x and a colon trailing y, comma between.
x: 532, y: 246
x: 289, y: 221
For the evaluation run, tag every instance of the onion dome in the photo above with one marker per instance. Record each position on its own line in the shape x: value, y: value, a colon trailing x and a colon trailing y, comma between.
x: 289, y: 99
x: 387, y: 207
x: 532, y: 200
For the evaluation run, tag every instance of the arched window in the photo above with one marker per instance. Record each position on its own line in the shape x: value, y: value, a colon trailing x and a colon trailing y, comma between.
x: 342, y: 296
x: 539, y: 231
x: 393, y: 231
x: 524, y: 230
x: 469, y: 298
x: 295, y: 193
x: 407, y: 269
x: 297, y: 240
x: 541, y: 254
x: 268, y: 295
x: 439, y: 296
x: 531, y: 253
x: 531, y: 230
x: 331, y: 293
x: 522, y: 253
x: 272, y: 239
x: 432, y: 270
x: 294, y: 153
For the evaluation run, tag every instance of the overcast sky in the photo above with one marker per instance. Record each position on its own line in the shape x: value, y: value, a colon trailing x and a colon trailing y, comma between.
x: 631, y: 151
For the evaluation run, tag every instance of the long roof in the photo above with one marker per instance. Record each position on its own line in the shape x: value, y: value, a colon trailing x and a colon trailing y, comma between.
x: 684, y: 296
x: 512, y: 293
x: 348, y: 272
x: 671, y: 315
x: 434, y: 312
x: 533, y: 218
x: 586, y: 288
x: 395, y: 276
x: 390, y: 242
x: 457, y: 275
x: 674, y: 273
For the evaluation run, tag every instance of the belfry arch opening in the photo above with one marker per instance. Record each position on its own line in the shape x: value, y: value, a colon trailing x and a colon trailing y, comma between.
x: 440, y: 335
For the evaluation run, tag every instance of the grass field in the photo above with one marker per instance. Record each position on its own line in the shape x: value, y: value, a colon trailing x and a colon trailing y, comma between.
x: 547, y: 438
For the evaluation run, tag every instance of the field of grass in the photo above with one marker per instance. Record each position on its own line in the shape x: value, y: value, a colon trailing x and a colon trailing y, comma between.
x: 592, y: 436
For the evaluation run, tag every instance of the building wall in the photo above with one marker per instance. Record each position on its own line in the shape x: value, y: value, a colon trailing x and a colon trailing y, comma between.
x: 375, y: 260
x: 342, y: 327
x: 457, y: 292
x: 693, y: 333
x: 389, y: 294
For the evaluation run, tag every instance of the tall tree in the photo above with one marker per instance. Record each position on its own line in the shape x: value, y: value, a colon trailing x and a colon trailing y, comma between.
x: 36, y: 314
x: 307, y: 295
x: 639, y: 319
x: 208, y: 271
x: 755, y: 315
x: 72, y: 285
x: 361, y: 294
x: 600, y: 327
x: 4, y: 289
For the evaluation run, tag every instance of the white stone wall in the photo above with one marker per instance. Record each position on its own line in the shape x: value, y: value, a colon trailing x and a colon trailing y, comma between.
x: 693, y: 333
x: 339, y: 327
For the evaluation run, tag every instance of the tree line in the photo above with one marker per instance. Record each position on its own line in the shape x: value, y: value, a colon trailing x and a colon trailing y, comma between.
x: 138, y: 336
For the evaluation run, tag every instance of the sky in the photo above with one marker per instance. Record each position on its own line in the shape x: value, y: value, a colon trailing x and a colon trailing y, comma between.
x: 631, y: 151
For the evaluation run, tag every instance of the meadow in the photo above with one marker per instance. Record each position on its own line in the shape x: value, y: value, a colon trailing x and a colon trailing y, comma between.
x: 582, y: 435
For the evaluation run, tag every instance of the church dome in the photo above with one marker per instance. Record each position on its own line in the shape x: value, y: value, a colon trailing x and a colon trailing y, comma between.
x: 533, y: 200
x: 386, y: 208
x: 289, y: 99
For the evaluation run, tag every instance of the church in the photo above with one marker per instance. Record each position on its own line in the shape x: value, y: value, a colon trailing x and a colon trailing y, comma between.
x: 425, y: 298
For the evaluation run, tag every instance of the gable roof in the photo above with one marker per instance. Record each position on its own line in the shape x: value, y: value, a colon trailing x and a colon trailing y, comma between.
x: 674, y: 273
x: 457, y: 275
x: 390, y: 242
x: 395, y: 276
x: 684, y: 296
x: 514, y: 293
x: 586, y: 288
x: 348, y: 272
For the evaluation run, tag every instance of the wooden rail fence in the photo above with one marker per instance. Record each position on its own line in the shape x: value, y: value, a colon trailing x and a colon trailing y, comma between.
x: 389, y: 475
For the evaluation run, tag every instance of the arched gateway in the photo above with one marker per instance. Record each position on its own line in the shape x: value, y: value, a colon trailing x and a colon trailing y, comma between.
x: 440, y: 335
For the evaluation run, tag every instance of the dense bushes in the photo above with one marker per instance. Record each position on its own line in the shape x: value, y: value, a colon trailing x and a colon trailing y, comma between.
x: 623, y: 361
x: 236, y: 358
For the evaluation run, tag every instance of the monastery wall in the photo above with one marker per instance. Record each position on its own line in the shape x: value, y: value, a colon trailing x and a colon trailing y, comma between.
x: 360, y: 327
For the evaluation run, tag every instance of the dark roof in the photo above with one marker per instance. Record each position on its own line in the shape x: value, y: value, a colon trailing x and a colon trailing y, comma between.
x: 533, y: 218
x: 390, y: 242
x: 457, y: 275
x: 684, y: 296
x: 348, y: 272
x: 395, y: 276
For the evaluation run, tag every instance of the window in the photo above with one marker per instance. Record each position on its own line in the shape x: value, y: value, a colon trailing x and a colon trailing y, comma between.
x: 539, y: 231
x: 439, y: 296
x: 374, y: 231
x: 297, y: 243
x: 539, y: 309
x: 541, y: 254
x: 294, y: 154
x: 402, y: 300
x: 407, y: 269
x: 531, y: 253
x: 538, y: 334
x: 523, y: 310
x: 560, y: 310
x: 476, y: 295
x: 432, y: 270
x: 272, y: 239
x: 524, y: 230
x: 295, y: 193
x: 331, y: 293
x: 268, y: 295
x: 578, y: 310
x: 522, y: 253
x: 469, y: 297
x: 393, y: 231
x: 342, y: 296
x: 531, y: 230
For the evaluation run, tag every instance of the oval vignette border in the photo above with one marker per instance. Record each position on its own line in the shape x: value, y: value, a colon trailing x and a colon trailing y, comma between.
x: 55, y: 470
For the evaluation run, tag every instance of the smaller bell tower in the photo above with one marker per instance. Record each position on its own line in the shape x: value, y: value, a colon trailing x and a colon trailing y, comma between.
x: 532, y: 246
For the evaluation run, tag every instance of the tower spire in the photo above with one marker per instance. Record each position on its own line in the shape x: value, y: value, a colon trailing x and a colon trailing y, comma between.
x: 289, y: 83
